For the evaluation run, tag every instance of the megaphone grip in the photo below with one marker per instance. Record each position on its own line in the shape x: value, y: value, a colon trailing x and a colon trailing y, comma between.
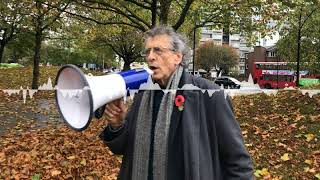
x: 100, y: 111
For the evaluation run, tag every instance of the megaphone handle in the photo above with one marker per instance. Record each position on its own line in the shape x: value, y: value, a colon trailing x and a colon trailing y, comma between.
x: 100, y: 111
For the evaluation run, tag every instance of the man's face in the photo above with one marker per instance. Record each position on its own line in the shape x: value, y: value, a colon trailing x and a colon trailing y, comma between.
x: 161, y: 58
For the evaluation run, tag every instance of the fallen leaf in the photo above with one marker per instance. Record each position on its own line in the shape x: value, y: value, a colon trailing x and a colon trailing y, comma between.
x: 36, y: 177
x: 55, y: 172
x: 285, y: 157
x: 307, y: 161
x: 257, y: 173
x: 83, y: 162
x: 306, y: 169
x: 309, y: 137
x: 264, y: 172
x: 71, y: 157
x: 2, y: 157
x: 312, y: 170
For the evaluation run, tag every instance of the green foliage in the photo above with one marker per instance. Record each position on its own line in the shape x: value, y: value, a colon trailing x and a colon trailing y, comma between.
x: 251, y: 18
x: 126, y: 42
x: 20, y: 49
x: 12, y: 22
x: 309, y: 15
x: 210, y: 56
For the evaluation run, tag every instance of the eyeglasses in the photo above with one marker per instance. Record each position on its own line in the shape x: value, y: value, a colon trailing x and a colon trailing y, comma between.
x: 157, y: 50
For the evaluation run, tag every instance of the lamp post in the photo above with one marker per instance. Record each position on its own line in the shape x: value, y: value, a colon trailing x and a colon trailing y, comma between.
x: 277, y: 72
x: 194, y: 47
x: 298, y: 50
x: 301, y: 23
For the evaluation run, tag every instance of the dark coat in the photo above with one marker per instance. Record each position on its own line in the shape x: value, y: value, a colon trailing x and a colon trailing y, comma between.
x: 205, y: 140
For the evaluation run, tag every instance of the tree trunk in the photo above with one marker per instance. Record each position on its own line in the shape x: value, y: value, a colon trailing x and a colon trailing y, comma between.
x: 126, y: 65
x: 298, y: 49
x: 14, y: 56
x: 164, y: 11
x: 154, y: 13
x: 226, y: 35
x: 36, y: 60
x: 1, y: 52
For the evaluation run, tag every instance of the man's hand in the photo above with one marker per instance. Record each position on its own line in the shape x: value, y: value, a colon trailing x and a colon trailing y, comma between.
x: 116, y: 112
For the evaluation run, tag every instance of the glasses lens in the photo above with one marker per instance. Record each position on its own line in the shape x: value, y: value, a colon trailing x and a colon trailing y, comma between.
x: 145, y: 52
x: 157, y: 50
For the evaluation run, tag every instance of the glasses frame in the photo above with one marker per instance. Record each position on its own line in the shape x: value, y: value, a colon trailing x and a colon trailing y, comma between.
x: 157, y: 50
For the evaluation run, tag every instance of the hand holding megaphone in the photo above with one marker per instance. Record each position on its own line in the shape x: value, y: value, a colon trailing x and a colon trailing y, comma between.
x: 78, y: 96
x: 116, y: 112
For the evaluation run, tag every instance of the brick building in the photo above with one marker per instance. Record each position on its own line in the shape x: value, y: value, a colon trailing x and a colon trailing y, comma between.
x: 260, y: 54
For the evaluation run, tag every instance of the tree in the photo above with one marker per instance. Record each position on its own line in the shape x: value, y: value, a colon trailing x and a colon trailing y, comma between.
x: 20, y: 49
x: 11, y: 18
x: 141, y: 15
x: 300, y: 35
x: 220, y: 58
x: 127, y: 43
x: 43, y: 18
x: 248, y: 18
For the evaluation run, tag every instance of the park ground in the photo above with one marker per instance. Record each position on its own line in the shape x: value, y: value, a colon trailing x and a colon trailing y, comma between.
x: 281, y: 133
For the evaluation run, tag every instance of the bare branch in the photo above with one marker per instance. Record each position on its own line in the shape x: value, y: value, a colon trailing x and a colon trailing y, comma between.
x: 135, y: 16
x: 139, y: 4
x: 132, y: 17
x: 107, y: 22
x: 56, y: 17
x: 183, y: 14
x: 308, y: 16
x: 118, y: 11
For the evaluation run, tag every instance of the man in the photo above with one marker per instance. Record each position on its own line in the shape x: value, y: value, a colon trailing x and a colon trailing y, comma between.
x: 197, y: 138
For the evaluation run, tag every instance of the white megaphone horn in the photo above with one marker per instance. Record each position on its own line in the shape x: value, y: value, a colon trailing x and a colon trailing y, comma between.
x: 78, y: 95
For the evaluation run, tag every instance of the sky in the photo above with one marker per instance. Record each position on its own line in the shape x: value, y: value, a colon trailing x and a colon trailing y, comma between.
x: 269, y: 41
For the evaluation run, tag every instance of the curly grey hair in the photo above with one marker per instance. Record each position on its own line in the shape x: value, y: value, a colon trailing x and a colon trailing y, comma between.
x: 178, y: 41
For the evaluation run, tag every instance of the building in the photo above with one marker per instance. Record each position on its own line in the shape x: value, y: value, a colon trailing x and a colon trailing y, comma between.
x: 260, y: 54
x: 234, y: 40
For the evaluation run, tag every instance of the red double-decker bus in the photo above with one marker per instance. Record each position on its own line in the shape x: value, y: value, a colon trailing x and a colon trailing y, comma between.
x: 271, y: 75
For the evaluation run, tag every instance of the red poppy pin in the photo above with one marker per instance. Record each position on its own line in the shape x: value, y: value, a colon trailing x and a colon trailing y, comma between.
x: 179, y: 101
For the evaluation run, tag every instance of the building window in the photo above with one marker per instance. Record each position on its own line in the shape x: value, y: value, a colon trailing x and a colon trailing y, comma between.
x: 271, y: 54
x: 206, y: 36
x: 247, y: 67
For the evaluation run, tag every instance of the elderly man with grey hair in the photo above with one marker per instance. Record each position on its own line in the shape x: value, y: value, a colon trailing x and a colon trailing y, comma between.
x: 182, y: 134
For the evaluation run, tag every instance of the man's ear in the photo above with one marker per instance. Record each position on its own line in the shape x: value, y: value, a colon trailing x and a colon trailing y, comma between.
x: 178, y: 59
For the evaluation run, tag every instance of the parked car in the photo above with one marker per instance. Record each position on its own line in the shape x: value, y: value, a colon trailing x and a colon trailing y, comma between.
x: 228, y: 82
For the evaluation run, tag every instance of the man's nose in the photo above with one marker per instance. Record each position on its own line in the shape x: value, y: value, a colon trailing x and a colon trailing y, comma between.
x: 151, y: 56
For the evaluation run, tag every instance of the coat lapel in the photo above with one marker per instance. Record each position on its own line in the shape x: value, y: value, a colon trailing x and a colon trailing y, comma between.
x: 176, y: 114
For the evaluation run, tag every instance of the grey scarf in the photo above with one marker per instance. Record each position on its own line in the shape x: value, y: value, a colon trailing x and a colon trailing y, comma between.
x: 143, y: 132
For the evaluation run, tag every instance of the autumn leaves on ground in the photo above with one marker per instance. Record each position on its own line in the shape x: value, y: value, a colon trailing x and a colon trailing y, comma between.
x: 281, y: 133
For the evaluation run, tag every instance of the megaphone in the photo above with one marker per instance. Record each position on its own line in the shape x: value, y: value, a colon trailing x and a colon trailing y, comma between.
x: 78, y: 95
